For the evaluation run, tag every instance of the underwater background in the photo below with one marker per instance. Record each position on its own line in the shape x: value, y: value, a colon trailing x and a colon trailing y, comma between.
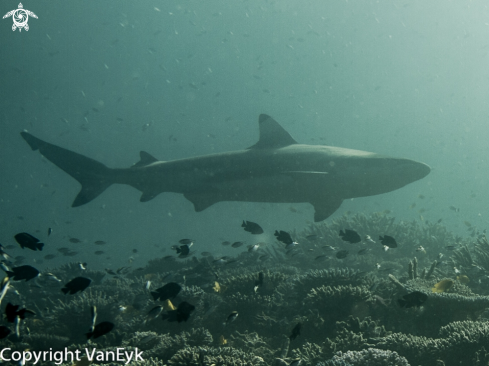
x: 182, y: 79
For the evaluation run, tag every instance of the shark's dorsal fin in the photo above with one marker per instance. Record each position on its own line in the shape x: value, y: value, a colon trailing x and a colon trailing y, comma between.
x: 145, y: 159
x: 272, y: 135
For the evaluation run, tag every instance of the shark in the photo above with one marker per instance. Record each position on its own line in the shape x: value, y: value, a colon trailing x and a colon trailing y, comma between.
x: 276, y: 169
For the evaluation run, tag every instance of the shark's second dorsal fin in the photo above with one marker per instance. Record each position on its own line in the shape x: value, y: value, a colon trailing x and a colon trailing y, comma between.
x: 272, y: 135
x: 145, y: 159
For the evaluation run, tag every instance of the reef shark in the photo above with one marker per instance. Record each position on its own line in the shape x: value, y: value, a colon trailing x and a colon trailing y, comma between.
x: 275, y: 169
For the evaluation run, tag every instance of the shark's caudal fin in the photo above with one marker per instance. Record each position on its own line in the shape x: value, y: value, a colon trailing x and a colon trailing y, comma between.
x: 94, y: 177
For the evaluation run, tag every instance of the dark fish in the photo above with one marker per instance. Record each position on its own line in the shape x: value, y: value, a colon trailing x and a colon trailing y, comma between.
x: 296, y: 331
x: 100, y: 242
x: 182, y: 313
x: 4, y: 331
x: 111, y: 272
x: 388, y: 241
x: 99, y: 252
x: 205, y: 254
x: 49, y: 256
x: 12, y: 311
x: 453, y: 208
x: 413, y: 299
x: 76, y: 284
x: 100, y: 329
x: 10, y: 246
x: 186, y: 241
x: 168, y: 258
x: 237, y: 244
x: 156, y: 311
x: 252, y: 227
x: 134, y: 250
x: 362, y: 251
x: 70, y: 254
x: 321, y: 257
x: 169, y: 291
x: 75, y: 240
x: 63, y: 250
x: 182, y: 250
x: 50, y: 231
x: 28, y: 241
x: 225, y: 243
x: 23, y: 273
x: 231, y: 317
x: 259, y: 281
x: 450, y: 247
x: 283, y: 237
x: 350, y: 236
x: 342, y: 254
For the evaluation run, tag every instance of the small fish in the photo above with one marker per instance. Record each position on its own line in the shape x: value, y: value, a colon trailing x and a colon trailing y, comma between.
x: 50, y: 231
x: 134, y: 251
x: 216, y: 287
x: 457, y: 271
x: 49, y: 256
x: 259, y: 281
x: 421, y: 249
x: 50, y: 277
x: 377, y: 266
x: 362, y: 251
x: 413, y: 299
x: 463, y: 279
x: 350, y: 236
x: 168, y: 258
x: 368, y: 239
x: 252, y: 227
x: 342, y: 254
x: 186, y: 241
x: 253, y: 248
x: 321, y: 257
x: 147, y: 285
x: 283, y: 237
x: 183, y: 250
x: 205, y: 254
x: 388, y: 241
x: 450, y: 247
x: 76, y: 284
x: 453, y: 208
x: 12, y: 311
x: 222, y: 341
x: 23, y: 273
x: 28, y: 241
x: 4, y: 288
x: 100, y: 242
x: 99, y: 252
x: 83, y: 266
x: 442, y: 286
x: 75, y: 240
x: 100, y: 329
x: 440, y: 256
x: 237, y: 244
x: 296, y: 331
x: 225, y: 243
x: 170, y: 290
x: 231, y: 317
x: 167, y: 305
x: 155, y: 312
x: 93, y: 312
x: 182, y: 313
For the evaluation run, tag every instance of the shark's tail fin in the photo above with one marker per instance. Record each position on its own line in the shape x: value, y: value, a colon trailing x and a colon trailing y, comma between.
x: 94, y: 177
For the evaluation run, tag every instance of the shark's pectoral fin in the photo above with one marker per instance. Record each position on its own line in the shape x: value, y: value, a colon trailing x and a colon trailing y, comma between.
x: 201, y: 200
x: 325, y: 208
x: 145, y: 159
x: 148, y: 196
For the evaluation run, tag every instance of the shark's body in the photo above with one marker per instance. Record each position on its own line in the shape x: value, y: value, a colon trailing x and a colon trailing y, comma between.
x: 275, y: 169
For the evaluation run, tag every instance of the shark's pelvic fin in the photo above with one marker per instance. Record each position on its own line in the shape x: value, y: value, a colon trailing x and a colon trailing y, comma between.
x: 201, y: 200
x: 325, y: 208
x: 145, y: 159
x: 272, y: 135
x: 94, y: 177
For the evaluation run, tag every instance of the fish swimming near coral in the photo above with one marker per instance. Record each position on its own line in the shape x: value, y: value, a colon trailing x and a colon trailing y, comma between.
x: 23, y: 273
x: 252, y: 227
x: 442, y: 286
x: 26, y: 240
x: 100, y: 329
x: 351, y: 236
x: 276, y: 169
